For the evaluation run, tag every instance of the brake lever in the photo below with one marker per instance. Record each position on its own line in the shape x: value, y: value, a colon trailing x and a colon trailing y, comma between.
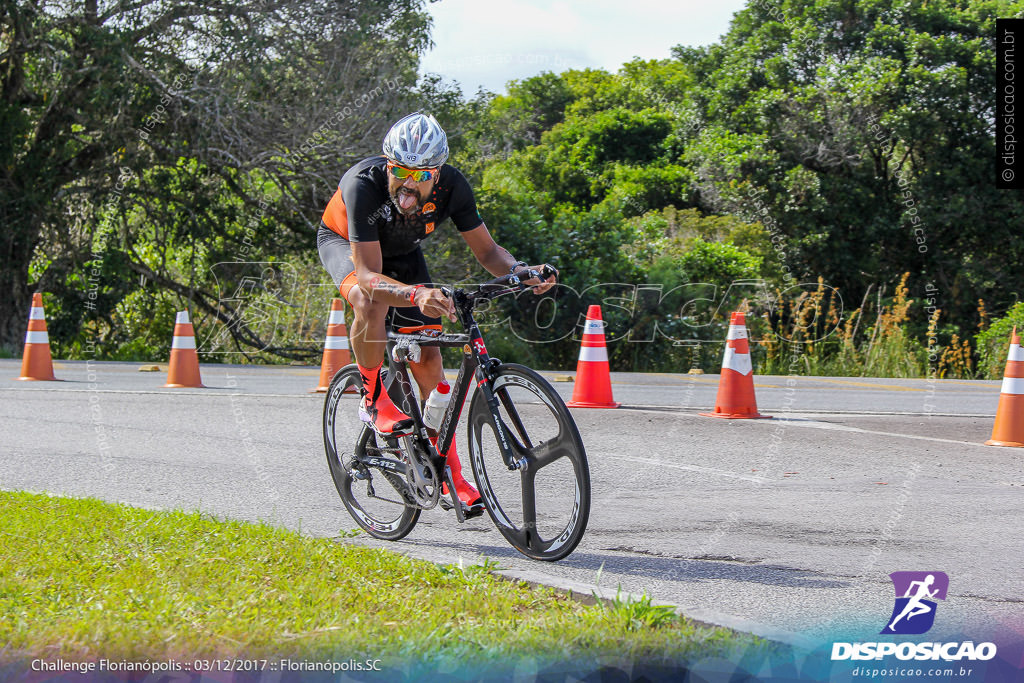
x: 545, y: 272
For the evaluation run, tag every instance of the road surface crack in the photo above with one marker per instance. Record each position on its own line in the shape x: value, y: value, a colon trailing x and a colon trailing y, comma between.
x: 652, y: 553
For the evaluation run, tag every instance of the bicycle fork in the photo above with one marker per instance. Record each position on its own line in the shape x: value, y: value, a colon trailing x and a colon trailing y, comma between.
x: 508, y: 453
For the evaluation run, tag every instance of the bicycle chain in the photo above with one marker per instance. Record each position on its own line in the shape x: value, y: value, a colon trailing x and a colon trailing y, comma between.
x: 391, y: 477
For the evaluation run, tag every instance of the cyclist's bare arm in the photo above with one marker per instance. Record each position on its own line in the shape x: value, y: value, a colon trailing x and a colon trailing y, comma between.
x: 379, y: 288
x: 496, y: 258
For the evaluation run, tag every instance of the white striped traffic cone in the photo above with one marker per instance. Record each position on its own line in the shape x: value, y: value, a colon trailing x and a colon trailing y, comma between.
x: 593, y: 388
x: 735, y: 398
x: 184, y: 367
x: 1008, y: 429
x: 36, y: 362
x: 336, y: 351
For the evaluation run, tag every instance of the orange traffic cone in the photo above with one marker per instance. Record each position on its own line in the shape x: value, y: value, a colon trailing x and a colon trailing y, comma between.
x: 593, y: 382
x: 1009, y: 427
x: 736, y: 386
x: 184, y: 367
x: 36, y: 363
x: 336, y: 353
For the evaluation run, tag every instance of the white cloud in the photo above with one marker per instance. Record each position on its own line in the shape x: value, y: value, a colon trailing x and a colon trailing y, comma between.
x: 484, y: 42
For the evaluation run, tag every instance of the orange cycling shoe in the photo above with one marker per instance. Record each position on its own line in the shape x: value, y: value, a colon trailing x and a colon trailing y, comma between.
x: 466, y: 492
x: 378, y: 410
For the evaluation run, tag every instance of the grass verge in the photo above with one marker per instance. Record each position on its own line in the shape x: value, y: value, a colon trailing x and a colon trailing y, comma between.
x: 81, y: 579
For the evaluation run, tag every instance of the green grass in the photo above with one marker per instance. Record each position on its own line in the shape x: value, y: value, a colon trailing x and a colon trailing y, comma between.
x: 80, y: 578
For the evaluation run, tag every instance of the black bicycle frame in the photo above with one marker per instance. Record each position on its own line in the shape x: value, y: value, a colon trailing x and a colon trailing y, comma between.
x: 476, y: 364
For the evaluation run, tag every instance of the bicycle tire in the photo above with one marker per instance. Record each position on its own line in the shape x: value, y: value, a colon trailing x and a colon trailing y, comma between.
x: 541, y: 537
x: 341, y: 409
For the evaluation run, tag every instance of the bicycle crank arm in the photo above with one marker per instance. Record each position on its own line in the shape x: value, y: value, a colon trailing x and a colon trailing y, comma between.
x: 385, y: 464
x: 456, y: 503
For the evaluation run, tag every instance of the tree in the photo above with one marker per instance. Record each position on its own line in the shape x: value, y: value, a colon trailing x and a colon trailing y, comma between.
x: 864, y: 130
x: 155, y: 129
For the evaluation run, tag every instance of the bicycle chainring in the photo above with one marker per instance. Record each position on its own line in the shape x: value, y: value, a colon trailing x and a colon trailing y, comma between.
x: 424, y: 481
x: 417, y: 488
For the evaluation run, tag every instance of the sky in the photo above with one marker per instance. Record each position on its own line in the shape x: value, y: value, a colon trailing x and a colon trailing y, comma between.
x: 486, y: 43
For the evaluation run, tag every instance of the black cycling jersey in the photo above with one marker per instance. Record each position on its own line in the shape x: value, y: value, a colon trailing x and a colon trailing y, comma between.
x: 361, y: 209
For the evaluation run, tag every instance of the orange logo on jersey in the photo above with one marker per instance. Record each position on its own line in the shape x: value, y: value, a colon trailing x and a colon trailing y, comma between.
x: 430, y: 228
x: 428, y: 208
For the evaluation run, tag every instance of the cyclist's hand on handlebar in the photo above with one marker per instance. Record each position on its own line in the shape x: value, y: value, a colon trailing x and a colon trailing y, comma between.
x: 434, y: 303
x: 549, y: 275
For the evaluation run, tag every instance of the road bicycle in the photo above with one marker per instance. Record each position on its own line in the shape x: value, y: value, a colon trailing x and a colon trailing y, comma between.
x: 525, y: 450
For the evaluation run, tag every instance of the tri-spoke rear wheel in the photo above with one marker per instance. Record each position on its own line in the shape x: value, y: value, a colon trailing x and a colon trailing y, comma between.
x: 541, y: 508
x: 372, y: 495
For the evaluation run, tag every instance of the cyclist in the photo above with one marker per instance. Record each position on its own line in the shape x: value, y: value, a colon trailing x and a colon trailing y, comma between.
x: 369, y: 240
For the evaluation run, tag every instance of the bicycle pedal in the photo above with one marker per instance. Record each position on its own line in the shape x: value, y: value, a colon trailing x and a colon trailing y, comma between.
x: 468, y: 512
x: 395, y: 434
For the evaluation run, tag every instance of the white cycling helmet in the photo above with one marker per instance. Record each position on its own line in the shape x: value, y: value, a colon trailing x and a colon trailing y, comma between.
x: 417, y: 141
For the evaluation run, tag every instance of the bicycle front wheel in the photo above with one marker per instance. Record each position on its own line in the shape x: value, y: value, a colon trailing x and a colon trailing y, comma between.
x: 542, y: 508
x: 372, y: 495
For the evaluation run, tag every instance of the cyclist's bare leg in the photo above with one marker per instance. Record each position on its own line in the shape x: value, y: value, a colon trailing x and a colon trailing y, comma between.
x: 367, y: 333
x: 428, y: 371
x: 368, y: 344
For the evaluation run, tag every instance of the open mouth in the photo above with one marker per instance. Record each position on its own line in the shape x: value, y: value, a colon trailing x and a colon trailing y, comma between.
x: 406, y: 200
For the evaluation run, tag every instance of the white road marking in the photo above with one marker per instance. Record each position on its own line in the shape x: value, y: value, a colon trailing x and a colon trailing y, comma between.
x: 216, y: 391
x: 815, y: 424
x: 692, y: 468
x: 686, y: 410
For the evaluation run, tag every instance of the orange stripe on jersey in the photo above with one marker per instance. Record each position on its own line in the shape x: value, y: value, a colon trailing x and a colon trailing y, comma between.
x: 336, y: 215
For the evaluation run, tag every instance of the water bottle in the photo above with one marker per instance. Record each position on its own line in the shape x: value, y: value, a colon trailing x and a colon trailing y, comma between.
x: 436, y: 404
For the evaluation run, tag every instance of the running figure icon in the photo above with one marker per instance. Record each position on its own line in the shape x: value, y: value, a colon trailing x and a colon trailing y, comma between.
x: 916, y: 593
x: 915, y: 606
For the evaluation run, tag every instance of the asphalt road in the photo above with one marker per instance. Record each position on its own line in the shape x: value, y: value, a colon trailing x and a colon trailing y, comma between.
x: 787, y: 525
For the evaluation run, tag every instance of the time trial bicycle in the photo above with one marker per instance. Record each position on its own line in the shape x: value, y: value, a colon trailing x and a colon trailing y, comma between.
x: 525, y: 450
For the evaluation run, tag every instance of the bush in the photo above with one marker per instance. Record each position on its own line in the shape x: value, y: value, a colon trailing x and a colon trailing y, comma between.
x: 994, y: 343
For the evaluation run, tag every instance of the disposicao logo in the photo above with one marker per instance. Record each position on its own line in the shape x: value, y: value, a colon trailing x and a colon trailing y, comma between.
x: 913, y: 614
x: 916, y: 592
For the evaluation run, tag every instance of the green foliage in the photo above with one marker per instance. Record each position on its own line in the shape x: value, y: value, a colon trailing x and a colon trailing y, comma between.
x: 787, y: 153
x: 531, y: 107
x: 993, y: 344
x: 151, y: 164
x: 639, y: 614
x: 852, y: 155
x: 863, y: 139
x: 701, y: 261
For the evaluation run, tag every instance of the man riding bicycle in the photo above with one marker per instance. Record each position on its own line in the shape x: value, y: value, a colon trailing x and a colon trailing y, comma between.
x: 368, y: 241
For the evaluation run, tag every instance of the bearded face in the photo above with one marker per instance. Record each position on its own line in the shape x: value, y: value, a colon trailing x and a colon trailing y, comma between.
x: 409, y: 196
